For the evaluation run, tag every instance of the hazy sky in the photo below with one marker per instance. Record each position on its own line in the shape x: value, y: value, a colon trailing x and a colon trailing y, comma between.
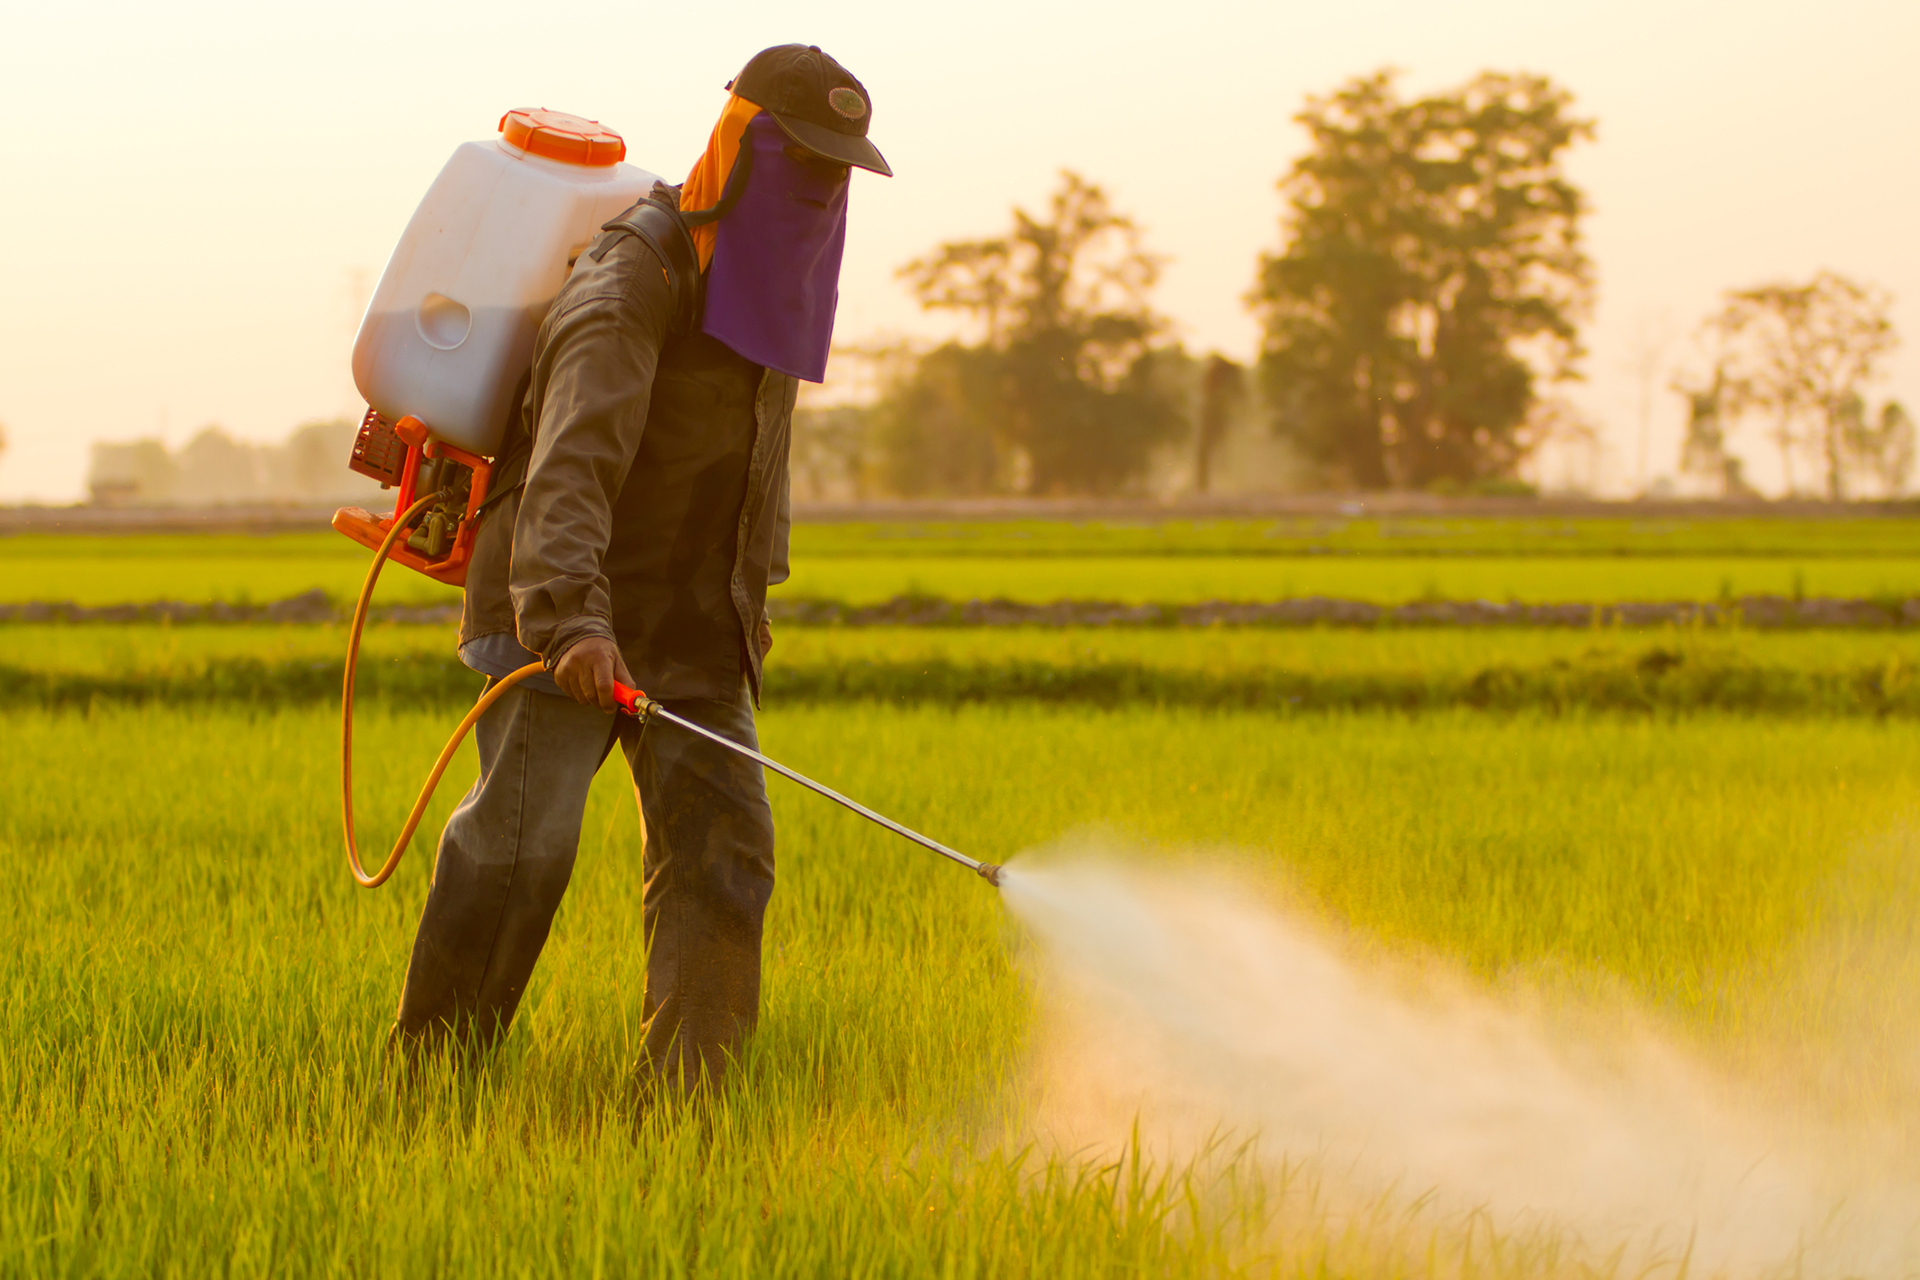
x: 197, y: 196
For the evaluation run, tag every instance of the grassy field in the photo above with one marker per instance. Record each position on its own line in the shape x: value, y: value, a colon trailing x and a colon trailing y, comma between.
x: 196, y: 992
x: 1158, y: 579
x: 151, y: 650
x: 230, y: 567
x: 1189, y: 579
x: 1672, y: 672
x: 1661, y: 670
x: 178, y: 651
x: 1701, y: 835
x: 1387, y: 562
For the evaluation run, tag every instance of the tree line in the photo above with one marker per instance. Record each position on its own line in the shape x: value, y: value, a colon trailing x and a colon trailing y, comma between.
x: 1418, y: 318
x: 1798, y: 359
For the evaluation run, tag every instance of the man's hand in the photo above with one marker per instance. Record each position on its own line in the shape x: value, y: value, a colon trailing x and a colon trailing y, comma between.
x: 587, y: 671
x: 765, y: 637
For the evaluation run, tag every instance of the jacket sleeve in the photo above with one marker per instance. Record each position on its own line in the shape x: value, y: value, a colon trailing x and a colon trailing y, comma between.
x: 592, y: 380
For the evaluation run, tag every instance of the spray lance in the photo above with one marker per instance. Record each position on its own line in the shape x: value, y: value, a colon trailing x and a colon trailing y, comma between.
x: 439, y: 358
x: 637, y: 704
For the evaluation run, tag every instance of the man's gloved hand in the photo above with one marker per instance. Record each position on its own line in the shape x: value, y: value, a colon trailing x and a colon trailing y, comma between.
x: 586, y: 672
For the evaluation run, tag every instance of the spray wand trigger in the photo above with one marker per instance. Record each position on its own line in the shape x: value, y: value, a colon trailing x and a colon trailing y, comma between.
x: 634, y: 702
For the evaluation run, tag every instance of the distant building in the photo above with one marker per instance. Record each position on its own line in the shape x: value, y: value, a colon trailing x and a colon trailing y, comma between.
x: 141, y: 473
x: 214, y: 469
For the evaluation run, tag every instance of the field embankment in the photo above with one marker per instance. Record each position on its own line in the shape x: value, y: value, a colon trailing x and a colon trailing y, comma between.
x: 1763, y: 612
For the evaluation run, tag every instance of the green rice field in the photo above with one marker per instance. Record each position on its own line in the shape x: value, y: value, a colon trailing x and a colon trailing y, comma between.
x: 180, y: 652
x: 1189, y: 579
x: 197, y: 992
x: 99, y: 648
x: 1702, y: 835
x: 1382, y: 561
x: 1669, y: 670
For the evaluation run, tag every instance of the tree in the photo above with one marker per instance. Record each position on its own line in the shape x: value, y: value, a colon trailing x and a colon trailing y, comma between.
x: 1802, y: 355
x: 1703, y: 450
x: 214, y: 468
x: 828, y: 451
x: 1430, y: 280
x: 311, y: 466
x: 1646, y: 360
x: 1882, y: 446
x: 1223, y: 389
x: 936, y: 424
x: 1062, y: 383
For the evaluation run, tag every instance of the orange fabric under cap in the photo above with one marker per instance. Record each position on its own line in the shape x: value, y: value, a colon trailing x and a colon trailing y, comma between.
x: 708, y: 180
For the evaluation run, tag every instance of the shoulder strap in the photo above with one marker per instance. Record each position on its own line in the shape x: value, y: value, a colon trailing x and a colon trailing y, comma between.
x: 516, y: 447
x: 658, y: 224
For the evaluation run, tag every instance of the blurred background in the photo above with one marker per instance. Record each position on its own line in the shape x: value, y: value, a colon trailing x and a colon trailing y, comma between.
x: 1637, y: 249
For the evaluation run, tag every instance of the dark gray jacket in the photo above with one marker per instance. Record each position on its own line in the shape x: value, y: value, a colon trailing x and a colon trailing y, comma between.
x: 655, y: 505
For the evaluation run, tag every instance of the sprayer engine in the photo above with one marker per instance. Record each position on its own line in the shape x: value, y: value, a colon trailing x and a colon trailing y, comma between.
x: 405, y: 455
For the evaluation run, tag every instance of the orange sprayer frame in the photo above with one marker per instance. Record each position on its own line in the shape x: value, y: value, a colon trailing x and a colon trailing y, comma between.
x: 370, y: 530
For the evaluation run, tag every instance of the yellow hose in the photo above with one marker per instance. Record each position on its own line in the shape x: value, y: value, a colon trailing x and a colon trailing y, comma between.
x: 487, y: 699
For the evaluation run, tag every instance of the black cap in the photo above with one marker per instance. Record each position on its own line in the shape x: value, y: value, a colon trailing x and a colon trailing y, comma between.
x: 816, y: 100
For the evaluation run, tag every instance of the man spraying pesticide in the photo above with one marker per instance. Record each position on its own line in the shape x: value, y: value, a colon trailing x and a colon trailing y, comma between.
x: 624, y: 534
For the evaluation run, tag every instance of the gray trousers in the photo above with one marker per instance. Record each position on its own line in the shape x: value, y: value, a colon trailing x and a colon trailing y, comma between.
x: 507, y: 852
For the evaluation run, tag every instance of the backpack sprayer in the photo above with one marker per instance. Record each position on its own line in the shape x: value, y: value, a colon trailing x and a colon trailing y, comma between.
x: 448, y: 334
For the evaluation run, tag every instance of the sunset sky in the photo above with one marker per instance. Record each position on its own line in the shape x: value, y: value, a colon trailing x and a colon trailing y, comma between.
x: 199, y: 196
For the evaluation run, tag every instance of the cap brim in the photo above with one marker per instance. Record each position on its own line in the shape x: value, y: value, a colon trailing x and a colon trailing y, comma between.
x: 842, y: 147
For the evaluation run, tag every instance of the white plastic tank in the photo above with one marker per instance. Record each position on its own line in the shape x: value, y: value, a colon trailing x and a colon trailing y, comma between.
x: 451, y: 325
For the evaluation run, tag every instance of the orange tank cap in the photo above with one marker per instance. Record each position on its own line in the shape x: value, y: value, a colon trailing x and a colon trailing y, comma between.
x: 559, y: 136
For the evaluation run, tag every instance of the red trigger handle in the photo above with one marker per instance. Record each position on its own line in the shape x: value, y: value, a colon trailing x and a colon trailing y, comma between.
x: 632, y: 701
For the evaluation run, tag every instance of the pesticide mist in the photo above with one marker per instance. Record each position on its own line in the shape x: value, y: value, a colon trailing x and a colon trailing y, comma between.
x: 1203, y: 1014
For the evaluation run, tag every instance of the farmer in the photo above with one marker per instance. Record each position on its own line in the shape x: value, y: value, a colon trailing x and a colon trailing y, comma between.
x: 645, y: 516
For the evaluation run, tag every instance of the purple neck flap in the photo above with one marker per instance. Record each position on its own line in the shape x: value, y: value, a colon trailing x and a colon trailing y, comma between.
x: 775, y: 278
